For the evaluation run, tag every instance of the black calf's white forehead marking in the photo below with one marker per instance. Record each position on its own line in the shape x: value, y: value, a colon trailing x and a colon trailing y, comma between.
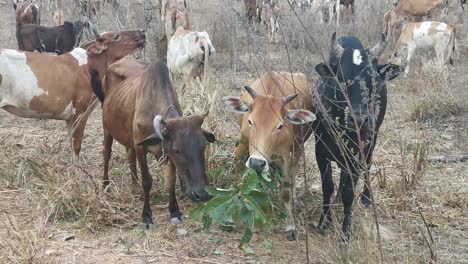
x: 357, y: 57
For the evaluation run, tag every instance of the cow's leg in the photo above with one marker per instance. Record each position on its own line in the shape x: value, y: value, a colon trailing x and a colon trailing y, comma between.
x: 106, y: 153
x: 147, y: 183
x: 131, y: 157
x: 176, y: 215
x: 411, y: 49
x: 241, y: 149
x: 287, y: 192
x: 347, y: 194
x: 328, y: 187
x: 75, y: 128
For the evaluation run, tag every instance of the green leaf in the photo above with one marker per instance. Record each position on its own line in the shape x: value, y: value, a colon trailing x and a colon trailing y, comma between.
x: 207, y: 221
x: 218, y: 252
x: 266, y: 176
x: 218, y: 208
x: 247, y: 236
x: 198, y: 212
x: 247, y: 216
x: 261, y: 198
x: 257, y: 210
x: 249, y: 251
x: 251, y: 181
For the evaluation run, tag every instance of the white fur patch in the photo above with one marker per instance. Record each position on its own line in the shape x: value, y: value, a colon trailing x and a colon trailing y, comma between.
x: 19, y: 84
x: 441, y: 27
x: 357, y: 57
x: 290, y: 228
x: 80, y: 55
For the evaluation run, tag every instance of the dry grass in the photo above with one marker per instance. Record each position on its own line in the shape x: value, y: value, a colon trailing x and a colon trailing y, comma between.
x: 43, y: 198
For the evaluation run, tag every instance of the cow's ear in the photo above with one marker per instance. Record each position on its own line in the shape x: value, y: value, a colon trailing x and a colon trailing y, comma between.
x: 323, y: 70
x: 210, y: 137
x: 300, y: 116
x: 235, y: 103
x: 153, y: 139
x: 389, y: 71
x: 96, y: 48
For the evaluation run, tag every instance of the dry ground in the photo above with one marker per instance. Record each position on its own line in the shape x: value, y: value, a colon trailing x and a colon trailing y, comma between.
x: 52, y: 212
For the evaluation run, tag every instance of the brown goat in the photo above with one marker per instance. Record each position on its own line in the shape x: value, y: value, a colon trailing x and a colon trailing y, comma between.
x: 141, y: 111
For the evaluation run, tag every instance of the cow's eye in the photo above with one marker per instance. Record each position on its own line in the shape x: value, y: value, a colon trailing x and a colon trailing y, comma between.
x: 280, y: 126
x: 250, y: 122
x: 117, y: 37
x: 176, y: 151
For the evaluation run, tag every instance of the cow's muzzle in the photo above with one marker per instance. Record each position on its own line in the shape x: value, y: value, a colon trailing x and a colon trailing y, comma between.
x: 200, y: 196
x: 259, y: 164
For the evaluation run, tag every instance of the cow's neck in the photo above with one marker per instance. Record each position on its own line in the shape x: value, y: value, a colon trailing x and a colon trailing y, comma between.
x: 99, y: 63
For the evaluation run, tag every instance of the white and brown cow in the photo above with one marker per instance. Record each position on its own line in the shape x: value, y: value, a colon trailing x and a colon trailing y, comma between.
x: 45, y: 86
x: 187, y: 54
x: 426, y: 35
x: 275, y: 121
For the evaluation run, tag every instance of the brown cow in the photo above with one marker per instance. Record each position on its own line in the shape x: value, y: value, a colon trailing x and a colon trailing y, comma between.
x: 141, y: 111
x: 270, y: 19
x: 253, y: 11
x: 46, y: 86
x: 26, y: 13
x: 419, y: 7
x: 274, y: 124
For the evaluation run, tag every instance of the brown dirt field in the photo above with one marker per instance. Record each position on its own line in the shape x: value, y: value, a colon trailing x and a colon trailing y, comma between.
x: 53, y: 212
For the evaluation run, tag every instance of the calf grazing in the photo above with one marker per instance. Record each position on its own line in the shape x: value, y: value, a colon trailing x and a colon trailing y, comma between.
x: 60, y: 39
x: 26, y: 13
x: 141, y: 111
x: 275, y: 116
x: 187, y: 54
x: 47, y: 86
x: 427, y: 35
x: 351, y: 100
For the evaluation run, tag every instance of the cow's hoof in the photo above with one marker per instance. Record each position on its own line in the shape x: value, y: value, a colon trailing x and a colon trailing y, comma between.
x: 147, y: 221
x: 365, y: 202
x: 292, y: 234
x: 177, y: 220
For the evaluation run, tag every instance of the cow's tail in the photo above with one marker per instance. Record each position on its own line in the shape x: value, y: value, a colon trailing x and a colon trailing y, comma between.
x: 96, y: 84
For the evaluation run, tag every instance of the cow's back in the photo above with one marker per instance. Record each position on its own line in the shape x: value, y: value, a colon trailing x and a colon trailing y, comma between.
x: 417, y: 7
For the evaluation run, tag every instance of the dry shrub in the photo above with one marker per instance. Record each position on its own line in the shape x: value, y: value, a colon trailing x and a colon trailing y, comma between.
x: 434, y: 97
x: 19, y: 244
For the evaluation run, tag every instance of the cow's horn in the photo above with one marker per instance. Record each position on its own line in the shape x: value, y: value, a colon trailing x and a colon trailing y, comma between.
x: 157, y: 121
x: 251, y: 91
x: 287, y: 99
x: 336, y: 47
x: 93, y: 29
x: 380, y: 47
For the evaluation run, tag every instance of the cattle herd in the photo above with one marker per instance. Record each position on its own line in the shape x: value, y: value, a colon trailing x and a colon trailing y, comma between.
x: 141, y: 110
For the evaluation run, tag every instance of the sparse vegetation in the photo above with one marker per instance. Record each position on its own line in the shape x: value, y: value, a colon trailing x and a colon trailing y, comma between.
x: 43, y: 196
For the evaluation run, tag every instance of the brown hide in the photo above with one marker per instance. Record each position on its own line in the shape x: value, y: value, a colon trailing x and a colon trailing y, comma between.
x: 27, y: 13
x: 417, y: 7
x: 135, y: 94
